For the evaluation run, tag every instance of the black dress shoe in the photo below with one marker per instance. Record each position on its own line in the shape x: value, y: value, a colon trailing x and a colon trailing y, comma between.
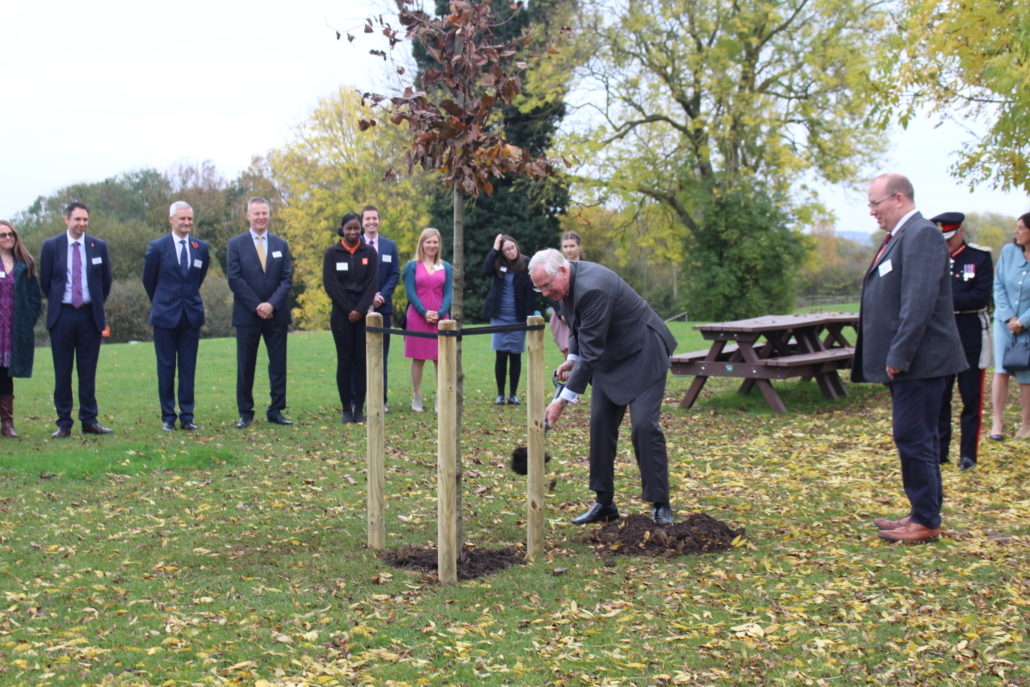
x: 359, y: 417
x: 598, y: 513
x: 945, y: 459
x: 96, y: 428
x: 244, y: 422
x: 278, y: 419
x: 997, y: 437
x: 168, y: 426
x: 348, y: 418
x: 966, y: 463
x: 189, y: 426
x: 62, y: 432
x: 662, y: 514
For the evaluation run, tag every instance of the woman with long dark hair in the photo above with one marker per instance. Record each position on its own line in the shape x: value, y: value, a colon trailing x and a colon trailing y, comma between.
x: 20, y: 301
x: 350, y: 273
x: 510, y: 301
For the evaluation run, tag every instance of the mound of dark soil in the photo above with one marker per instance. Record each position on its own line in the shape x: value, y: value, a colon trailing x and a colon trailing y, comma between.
x: 474, y: 563
x: 638, y: 535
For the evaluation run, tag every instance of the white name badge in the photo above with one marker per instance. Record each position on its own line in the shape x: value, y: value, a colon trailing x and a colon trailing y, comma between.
x: 387, y: 258
x: 97, y: 260
x: 3, y: 275
x: 198, y: 263
x: 504, y: 269
x: 277, y: 254
x: 342, y: 267
x: 886, y: 267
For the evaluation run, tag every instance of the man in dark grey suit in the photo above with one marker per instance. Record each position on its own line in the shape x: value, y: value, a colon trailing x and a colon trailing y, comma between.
x: 907, y: 339
x: 620, y: 346
x: 260, y: 274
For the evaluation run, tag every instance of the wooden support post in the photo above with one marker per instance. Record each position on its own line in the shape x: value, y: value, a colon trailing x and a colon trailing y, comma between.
x: 446, y: 466
x: 537, y: 401
x: 376, y: 435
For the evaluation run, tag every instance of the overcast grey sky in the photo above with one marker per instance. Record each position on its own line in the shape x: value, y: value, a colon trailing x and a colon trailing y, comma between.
x: 92, y: 90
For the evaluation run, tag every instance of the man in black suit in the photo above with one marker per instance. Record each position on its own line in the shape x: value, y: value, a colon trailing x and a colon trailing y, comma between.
x: 620, y: 346
x: 75, y: 275
x: 972, y: 283
x: 173, y: 271
x: 260, y: 273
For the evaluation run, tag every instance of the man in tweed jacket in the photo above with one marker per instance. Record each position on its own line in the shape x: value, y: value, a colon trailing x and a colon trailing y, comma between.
x: 907, y: 339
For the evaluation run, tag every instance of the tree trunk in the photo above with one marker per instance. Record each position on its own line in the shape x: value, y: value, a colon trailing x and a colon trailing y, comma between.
x: 457, y: 303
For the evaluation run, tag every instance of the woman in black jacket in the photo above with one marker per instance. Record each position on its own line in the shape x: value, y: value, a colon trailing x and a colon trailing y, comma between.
x: 350, y: 273
x: 511, y: 299
x: 20, y: 302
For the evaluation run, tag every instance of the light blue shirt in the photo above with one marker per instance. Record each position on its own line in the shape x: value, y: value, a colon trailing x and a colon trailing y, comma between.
x: 76, y: 244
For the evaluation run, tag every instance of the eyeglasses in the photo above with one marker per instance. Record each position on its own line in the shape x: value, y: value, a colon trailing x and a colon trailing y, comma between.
x: 8, y: 235
x: 544, y: 287
x: 873, y: 205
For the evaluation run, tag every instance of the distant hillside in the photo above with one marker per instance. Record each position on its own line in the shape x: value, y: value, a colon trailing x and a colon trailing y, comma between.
x: 859, y: 237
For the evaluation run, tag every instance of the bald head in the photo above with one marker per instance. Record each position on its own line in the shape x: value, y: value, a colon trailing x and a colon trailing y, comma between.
x: 891, y: 197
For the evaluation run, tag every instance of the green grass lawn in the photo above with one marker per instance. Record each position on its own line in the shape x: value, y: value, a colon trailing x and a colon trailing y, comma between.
x: 238, y: 557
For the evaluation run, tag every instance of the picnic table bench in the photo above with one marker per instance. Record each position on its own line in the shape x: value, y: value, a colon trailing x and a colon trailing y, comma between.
x: 772, y: 347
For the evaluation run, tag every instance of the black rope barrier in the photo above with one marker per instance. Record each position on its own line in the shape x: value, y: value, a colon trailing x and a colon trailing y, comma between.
x: 497, y: 329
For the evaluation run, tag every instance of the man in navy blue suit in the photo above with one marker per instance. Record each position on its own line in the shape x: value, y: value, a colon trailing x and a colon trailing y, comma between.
x: 173, y: 271
x: 389, y: 275
x: 75, y: 275
x: 260, y: 272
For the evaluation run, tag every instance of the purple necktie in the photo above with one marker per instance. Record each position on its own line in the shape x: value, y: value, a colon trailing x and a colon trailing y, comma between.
x: 76, y: 275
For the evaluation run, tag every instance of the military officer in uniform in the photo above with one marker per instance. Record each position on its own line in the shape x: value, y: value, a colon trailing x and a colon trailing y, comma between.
x: 972, y: 272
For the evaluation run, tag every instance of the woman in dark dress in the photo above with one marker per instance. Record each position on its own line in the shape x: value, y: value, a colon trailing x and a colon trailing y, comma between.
x: 511, y: 299
x: 20, y: 302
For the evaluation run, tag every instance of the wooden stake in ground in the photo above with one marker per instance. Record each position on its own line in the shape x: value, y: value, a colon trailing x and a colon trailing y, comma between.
x: 535, y: 442
x: 376, y: 435
x: 446, y: 467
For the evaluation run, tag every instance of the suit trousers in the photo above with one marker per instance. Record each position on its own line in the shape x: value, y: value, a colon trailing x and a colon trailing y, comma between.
x: 647, y: 436
x: 248, y: 339
x: 970, y: 390
x: 350, y: 358
x: 387, y: 317
x: 916, y: 409
x: 75, y: 342
x: 176, y: 346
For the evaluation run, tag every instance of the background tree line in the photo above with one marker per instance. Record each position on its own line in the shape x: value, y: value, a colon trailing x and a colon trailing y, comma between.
x: 695, y: 126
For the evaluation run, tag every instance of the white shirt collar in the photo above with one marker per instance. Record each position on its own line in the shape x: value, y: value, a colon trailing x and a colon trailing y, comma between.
x: 177, y: 238
x: 901, y: 222
x: 254, y: 235
x: 71, y: 239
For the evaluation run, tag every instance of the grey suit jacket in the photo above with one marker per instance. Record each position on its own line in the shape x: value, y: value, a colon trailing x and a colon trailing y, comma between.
x: 622, y: 344
x: 907, y: 319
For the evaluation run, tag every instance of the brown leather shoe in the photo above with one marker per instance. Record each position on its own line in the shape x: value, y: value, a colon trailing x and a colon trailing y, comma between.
x: 96, y: 429
x: 913, y: 531
x: 62, y: 432
x: 885, y: 524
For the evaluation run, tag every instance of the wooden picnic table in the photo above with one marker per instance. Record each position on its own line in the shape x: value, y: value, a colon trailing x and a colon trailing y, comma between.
x: 771, y: 347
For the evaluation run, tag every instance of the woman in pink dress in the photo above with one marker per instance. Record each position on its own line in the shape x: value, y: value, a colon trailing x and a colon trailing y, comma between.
x: 427, y: 281
x: 572, y: 248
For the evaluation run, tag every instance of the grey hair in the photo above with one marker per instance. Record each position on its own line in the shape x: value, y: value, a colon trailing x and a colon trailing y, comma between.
x: 179, y: 205
x: 257, y: 200
x: 550, y: 258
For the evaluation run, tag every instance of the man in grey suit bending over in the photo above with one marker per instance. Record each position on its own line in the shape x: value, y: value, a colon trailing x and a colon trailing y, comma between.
x: 908, y: 340
x: 619, y: 346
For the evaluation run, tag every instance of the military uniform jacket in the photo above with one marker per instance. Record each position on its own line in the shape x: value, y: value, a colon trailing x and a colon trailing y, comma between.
x: 972, y: 280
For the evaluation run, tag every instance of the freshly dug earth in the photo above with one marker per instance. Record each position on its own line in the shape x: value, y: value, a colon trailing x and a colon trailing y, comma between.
x: 638, y: 535
x: 476, y: 563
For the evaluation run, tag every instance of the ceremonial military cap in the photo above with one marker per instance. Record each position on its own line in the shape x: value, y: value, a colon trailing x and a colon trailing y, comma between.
x: 949, y: 222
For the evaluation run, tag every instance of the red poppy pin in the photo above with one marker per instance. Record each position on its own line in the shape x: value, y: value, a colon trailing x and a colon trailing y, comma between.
x: 364, y: 261
x: 194, y: 244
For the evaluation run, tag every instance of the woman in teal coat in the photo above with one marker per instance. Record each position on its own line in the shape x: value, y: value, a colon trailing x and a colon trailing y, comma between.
x: 20, y: 302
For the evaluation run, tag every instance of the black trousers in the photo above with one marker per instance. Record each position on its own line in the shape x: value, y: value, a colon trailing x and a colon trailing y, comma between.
x: 350, y: 358
x: 647, y: 436
x: 916, y: 409
x: 176, y: 347
x: 75, y: 343
x: 387, y: 318
x: 971, y: 391
x: 247, y: 341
